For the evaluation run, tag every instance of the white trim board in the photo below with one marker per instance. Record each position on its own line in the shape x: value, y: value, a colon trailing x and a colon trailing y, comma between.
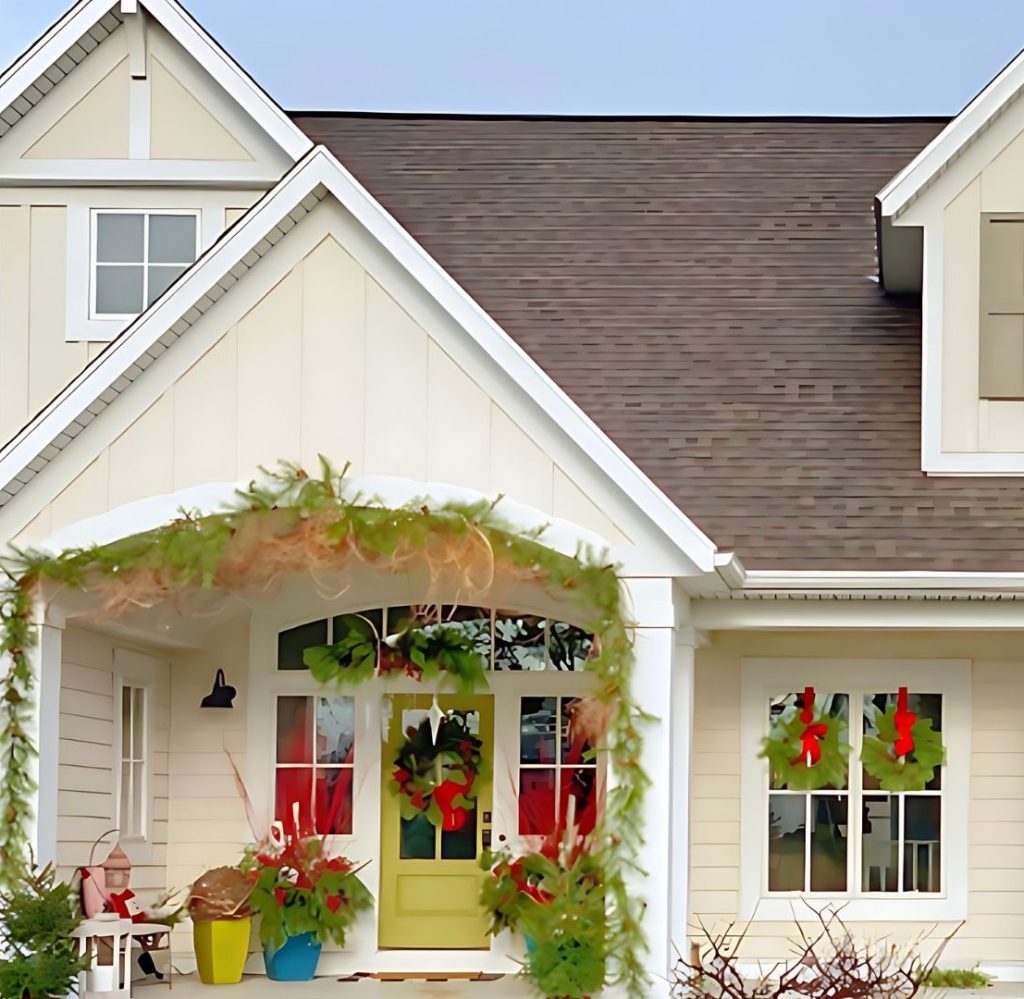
x: 913, y: 179
x: 18, y: 84
x: 316, y: 176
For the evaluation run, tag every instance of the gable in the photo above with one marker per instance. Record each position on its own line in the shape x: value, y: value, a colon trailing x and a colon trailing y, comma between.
x: 149, y: 98
x: 335, y: 334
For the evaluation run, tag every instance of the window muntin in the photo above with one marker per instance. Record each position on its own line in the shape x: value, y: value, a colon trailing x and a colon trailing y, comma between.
x: 558, y: 770
x: 315, y: 763
x: 509, y: 641
x: 855, y: 840
x: 137, y: 256
x: 133, y: 769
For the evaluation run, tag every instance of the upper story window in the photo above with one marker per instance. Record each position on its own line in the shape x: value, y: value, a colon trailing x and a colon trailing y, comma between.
x: 1001, y: 361
x: 136, y: 256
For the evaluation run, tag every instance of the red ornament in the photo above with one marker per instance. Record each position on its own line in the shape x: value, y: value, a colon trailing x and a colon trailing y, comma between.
x: 905, y: 721
x: 334, y: 902
x: 812, y: 735
x: 279, y: 894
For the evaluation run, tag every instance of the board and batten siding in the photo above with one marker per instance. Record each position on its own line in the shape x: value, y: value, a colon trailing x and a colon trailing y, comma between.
x: 88, y: 755
x: 208, y: 824
x: 35, y: 360
x: 324, y: 362
x: 994, y: 930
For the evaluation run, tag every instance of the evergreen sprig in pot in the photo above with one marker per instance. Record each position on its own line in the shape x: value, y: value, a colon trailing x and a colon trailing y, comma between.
x: 38, y: 957
x: 557, y: 901
x: 304, y: 897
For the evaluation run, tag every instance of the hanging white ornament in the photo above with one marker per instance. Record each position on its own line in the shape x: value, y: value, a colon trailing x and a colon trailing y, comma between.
x: 435, y: 715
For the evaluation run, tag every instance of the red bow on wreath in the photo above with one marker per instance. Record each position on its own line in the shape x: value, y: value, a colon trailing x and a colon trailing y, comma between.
x: 905, y: 721
x: 453, y: 817
x: 810, y: 738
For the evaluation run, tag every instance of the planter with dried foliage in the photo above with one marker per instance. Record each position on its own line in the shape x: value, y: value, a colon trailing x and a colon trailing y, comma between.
x: 827, y: 961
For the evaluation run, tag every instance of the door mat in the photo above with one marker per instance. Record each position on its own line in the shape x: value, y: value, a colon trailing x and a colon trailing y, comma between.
x: 432, y: 976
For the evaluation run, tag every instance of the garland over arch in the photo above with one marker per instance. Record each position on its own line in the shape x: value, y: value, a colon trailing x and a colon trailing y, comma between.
x: 290, y: 522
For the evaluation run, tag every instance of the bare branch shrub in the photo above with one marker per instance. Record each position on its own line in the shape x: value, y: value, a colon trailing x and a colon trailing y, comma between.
x: 828, y: 962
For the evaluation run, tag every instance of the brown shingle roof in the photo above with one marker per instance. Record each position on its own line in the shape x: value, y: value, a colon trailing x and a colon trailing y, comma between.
x: 705, y: 290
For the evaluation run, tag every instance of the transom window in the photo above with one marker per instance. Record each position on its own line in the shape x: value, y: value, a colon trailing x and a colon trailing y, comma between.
x: 132, y: 790
x: 137, y: 256
x: 558, y: 772
x: 508, y: 640
x: 315, y: 763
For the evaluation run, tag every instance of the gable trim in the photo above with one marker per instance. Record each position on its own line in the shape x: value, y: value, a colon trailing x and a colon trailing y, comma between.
x: 69, y: 40
x: 936, y: 157
x: 318, y: 174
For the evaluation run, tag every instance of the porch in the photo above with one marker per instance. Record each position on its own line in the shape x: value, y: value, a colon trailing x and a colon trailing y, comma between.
x: 260, y: 987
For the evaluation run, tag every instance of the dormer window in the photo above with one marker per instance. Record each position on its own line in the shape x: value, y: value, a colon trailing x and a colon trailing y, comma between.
x: 1001, y: 368
x: 137, y: 256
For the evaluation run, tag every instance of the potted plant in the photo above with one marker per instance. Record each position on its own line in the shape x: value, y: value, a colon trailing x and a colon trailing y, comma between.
x: 40, y: 959
x: 219, y: 904
x: 304, y: 897
x: 556, y: 899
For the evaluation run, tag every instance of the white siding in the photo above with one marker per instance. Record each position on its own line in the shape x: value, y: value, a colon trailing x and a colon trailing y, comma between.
x: 994, y: 930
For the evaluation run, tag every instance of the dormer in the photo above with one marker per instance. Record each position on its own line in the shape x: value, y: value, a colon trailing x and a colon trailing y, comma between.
x: 129, y: 142
x: 951, y: 227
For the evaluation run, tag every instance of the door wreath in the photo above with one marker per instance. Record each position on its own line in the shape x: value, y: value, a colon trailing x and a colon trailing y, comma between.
x: 427, y: 773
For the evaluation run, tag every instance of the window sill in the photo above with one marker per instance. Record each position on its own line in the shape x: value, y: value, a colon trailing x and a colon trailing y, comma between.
x: 863, y: 909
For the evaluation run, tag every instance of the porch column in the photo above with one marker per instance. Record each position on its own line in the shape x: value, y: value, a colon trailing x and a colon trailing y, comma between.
x: 654, y: 647
x: 683, y: 671
x: 44, y: 730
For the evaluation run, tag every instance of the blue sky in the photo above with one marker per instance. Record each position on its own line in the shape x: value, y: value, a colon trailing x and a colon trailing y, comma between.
x: 604, y: 57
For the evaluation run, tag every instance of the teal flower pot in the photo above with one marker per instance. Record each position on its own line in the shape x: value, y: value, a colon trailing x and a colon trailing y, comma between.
x: 296, y: 961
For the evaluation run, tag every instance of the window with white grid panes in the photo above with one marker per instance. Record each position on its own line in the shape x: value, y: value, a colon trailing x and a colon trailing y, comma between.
x: 135, y: 256
x: 854, y: 839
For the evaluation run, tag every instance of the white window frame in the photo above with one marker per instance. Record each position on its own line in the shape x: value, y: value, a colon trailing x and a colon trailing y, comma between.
x: 322, y: 692
x: 146, y: 214
x: 762, y: 679
x: 132, y: 684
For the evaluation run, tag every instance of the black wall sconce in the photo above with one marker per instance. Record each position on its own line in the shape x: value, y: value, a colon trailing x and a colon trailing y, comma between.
x: 222, y: 694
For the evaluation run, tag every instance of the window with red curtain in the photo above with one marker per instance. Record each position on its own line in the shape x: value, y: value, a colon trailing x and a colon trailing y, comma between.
x: 558, y: 777
x: 315, y: 764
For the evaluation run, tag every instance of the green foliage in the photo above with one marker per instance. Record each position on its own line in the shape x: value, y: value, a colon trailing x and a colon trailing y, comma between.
x: 191, y: 551
x: 561, y: 910
x: 302, y: 890
x: 351, y: 659
x: 37, y: 917
x: 917, y: 769
x: 782, y: 748
x: 957, y: 978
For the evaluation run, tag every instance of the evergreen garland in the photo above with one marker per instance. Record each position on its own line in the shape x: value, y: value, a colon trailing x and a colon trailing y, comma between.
x: 195, y: 552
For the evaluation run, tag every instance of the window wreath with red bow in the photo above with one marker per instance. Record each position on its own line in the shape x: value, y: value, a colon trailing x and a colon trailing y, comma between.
x: 906, y: 751
x: 437, y: 777
x: 806, y: 749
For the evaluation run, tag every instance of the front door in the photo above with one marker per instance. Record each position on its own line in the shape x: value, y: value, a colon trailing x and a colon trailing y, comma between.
x: 430, y: 879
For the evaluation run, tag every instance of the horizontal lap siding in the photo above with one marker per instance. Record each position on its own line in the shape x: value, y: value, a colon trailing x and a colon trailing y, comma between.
x: 208, y: 826
x: 87, y: 783
x: 994, y: 930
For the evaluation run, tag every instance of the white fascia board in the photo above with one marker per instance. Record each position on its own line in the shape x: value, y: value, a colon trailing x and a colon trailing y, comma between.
x: 228, y: 74
x: 318, y: 168
x: 916, y: 176
x: 857, y: 581
x: 242, y: 88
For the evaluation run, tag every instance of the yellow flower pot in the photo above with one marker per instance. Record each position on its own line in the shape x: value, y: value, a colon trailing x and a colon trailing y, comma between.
x: 222, y: 945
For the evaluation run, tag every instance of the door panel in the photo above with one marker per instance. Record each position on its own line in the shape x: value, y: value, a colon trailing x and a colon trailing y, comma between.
x: 430, y: 880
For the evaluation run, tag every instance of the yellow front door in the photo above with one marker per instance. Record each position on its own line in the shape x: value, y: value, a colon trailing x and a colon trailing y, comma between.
x: 430, y: 879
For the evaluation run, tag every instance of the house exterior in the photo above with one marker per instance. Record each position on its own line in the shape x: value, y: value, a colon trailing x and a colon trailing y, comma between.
x: 775, y: 368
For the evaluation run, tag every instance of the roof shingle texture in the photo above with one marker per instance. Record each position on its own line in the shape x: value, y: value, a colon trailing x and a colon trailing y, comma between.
x: 705, y: 291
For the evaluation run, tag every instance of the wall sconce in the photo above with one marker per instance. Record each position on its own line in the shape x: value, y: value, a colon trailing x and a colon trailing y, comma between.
x: 222, y: 694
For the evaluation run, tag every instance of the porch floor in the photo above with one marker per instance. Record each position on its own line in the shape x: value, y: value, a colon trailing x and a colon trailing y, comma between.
x: 261, y: 987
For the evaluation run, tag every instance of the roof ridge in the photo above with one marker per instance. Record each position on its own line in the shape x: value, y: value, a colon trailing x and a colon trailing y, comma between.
x: 726, y: 118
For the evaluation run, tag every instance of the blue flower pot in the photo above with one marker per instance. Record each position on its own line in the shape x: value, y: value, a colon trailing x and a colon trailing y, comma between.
x: 296, y: 961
